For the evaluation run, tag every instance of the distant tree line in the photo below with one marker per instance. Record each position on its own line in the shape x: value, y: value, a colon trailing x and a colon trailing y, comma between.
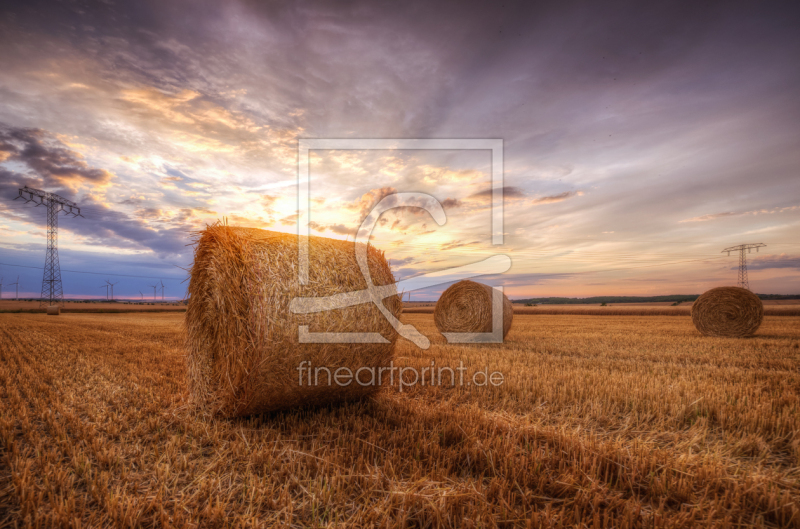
x: 634, y: 299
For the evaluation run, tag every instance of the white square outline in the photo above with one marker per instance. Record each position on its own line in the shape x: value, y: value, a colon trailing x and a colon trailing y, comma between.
x: 305, y: 145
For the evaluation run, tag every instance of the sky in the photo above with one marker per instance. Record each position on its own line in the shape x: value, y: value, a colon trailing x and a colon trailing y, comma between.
x: 639, y: 139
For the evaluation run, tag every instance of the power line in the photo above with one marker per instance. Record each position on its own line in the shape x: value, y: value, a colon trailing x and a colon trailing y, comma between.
x: 84, y: 211
x: 93, y: 273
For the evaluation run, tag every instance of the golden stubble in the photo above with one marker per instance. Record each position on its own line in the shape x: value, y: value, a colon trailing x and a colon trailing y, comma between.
x: 615, y: 421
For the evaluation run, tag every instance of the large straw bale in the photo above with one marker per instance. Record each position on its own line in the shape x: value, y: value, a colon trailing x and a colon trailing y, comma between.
x: 467, y: 307
x: 53, y: 310
x: 242, y: 339
x: 728, y: 311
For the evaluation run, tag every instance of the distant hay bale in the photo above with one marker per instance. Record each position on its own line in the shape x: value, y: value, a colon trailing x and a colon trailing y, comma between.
x: 242, y: 339
x: 728, y: 312
x: 467, y: 307
x: 53, y: 310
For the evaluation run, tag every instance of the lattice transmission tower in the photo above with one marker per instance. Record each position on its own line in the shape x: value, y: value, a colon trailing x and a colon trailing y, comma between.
x: 743, y: 250
x: 52, y: 290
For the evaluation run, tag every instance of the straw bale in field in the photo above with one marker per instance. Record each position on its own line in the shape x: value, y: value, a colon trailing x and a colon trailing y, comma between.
x: 728, y: 311
x: 242, y: 339
x: 53, y: 310
x: 467, y: 307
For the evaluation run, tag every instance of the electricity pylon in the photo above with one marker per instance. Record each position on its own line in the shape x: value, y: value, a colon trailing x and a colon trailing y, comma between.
x: 52, y: 289
x: 742, y: 279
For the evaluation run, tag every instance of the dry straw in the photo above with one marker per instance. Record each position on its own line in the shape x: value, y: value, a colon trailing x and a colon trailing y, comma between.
x: 728, y: 311
x: 53, y: 310
x: 467, y: 307
x: 242, y: 339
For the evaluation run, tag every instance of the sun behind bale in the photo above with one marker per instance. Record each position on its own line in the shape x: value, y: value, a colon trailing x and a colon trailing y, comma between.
x: 467, y: 307
x: 242, y: 339
x: 728, y: 312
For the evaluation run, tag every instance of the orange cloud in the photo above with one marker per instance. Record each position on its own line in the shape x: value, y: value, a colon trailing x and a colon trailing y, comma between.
x: 557, y: 198
x: 714, y: 216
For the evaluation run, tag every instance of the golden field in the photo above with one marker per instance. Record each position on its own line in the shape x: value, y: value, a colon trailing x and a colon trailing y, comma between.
x: 602, y: 421
x: 11, y: 305
x: 771, y: 308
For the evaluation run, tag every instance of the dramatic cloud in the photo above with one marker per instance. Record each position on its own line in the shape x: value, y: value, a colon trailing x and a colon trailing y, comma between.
x: 457, y: 244
x: 450, y: 203
x: 509, y: 193
x: 402, y: 262
x: 42, y: 161
x: 46, y: 160
x: 774, y: 261
x: 770, y: 211
x: 339, y: 229
x: 268, y: 200
x: 557, y: 198
x: 370, y: 199
x: 712, y: 216
x: 678, y: 123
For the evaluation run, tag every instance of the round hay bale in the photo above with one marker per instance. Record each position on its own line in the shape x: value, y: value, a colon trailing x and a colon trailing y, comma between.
x: 53, y: 310
x: 243, y: 349
x: 728, y: 311
x: 467, y: 307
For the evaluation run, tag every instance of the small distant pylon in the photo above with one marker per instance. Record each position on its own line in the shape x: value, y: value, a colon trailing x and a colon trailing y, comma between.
x: 743, y: 249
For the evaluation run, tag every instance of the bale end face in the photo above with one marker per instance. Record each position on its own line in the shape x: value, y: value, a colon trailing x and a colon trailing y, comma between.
x: 467, y: 307
x: 730, y: 312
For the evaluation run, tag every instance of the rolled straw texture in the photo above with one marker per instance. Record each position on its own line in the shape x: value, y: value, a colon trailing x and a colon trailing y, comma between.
x: 467, y: 307
x: 242, y: 339
x: 728, y: 312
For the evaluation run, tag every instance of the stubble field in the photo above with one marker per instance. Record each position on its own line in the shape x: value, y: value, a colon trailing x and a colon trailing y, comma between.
x: 602, y: 420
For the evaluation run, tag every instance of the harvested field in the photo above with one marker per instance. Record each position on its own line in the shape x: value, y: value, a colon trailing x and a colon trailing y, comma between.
x: 33, y: 307
x: 616, y: 421
x: 684, y: 309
